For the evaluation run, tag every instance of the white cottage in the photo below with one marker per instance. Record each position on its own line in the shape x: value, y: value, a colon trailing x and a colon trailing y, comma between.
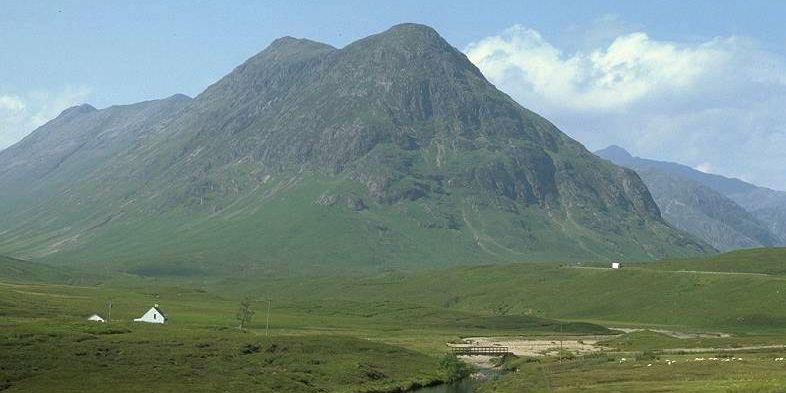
x: 615, y: 265
x: 95, y: 318
x: 154, y: 315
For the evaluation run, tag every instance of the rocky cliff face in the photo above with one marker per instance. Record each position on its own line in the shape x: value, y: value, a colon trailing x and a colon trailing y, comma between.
x: 394, y: 151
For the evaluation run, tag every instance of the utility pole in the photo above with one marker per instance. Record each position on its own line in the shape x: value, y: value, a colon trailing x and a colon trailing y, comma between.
x: 109, y: 311
x: 267, y: 318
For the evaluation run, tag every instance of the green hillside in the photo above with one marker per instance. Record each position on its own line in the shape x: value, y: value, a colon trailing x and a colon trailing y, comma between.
x: 295, y: 233
x: 12, y: 269
x: 393, y: 152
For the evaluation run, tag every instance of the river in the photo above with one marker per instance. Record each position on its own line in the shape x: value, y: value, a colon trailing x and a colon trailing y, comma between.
x: 464, y: 386
x: 484, y: 370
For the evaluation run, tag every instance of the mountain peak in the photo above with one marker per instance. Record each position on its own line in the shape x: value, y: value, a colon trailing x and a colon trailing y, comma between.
x: 78, y: 109
x: 397, y: 124
x: 414, y: 47
x: 410, y: 35
x: 615, y: 153
x: 287, y: 49
x: 296, y: 44
x: 178, y: 97
x: 616, y: 149
x: 412, y: 28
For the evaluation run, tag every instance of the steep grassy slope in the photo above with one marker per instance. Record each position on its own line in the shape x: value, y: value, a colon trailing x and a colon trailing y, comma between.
x: 393, y: 152
x: 12, y: 269
x: 312, y: 224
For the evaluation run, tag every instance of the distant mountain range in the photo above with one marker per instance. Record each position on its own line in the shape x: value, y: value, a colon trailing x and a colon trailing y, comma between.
x: 393, y: 152
x: 727, y: 213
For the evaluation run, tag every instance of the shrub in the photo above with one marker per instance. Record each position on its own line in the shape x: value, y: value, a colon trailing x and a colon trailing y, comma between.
x: 566, y: 355
x: 647, y: 355
x: 454, y: 368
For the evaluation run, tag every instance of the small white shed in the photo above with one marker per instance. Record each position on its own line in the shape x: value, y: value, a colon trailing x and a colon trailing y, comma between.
x: 154, y: 315
x: 96, y: 318
x: 615, y: 265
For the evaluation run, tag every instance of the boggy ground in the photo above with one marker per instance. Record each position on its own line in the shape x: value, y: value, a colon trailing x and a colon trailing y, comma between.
x: 382, y: 333
x: 47, y: 345
x: 642, y: 361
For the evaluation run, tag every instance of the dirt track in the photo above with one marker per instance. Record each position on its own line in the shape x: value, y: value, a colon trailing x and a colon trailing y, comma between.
x: 675, y: 334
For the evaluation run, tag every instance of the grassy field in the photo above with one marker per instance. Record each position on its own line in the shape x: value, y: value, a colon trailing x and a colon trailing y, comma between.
x: 638, y: 294
x: 755, y: 372
x: 73, y: 357
x: 770, y: 261
x: 335, y: 347
x: 388, y: 332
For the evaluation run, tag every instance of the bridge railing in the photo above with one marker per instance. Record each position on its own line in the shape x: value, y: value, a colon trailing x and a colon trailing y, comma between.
x: 480, y: 350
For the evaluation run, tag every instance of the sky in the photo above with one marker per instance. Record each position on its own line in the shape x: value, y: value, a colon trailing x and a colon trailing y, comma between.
x: 701, y: 82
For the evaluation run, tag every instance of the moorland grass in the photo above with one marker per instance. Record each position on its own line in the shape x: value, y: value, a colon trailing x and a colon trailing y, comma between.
x: 387, y: 332
x: 48, y: 346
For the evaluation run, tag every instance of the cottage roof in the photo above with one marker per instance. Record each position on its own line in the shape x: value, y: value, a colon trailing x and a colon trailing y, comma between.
x: 160, y: 311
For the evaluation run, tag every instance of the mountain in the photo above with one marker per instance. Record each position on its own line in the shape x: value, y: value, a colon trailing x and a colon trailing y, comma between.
x: 712, y: 207
x: 80, y: 140
x: 17, y: 270
x: 392, y: 152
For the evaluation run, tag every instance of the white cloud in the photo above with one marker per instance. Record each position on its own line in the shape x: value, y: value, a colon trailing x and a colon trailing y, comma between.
x: 11, y: 104
x: 21, y: 114
x: 632, y: 67
x: 718, y: 101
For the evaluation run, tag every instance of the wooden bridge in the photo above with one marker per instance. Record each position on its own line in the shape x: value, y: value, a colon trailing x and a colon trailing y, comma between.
x: 480, y: 350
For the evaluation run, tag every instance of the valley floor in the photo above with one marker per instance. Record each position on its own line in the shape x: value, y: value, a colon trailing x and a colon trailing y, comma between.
x: 378, y: 334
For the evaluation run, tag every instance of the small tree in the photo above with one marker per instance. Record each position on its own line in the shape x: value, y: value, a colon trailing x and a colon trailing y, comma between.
x: 502, y: 309
x: 245, y: 313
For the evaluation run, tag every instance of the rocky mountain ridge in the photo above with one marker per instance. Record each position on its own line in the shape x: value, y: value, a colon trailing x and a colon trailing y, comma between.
x: 432, y: 165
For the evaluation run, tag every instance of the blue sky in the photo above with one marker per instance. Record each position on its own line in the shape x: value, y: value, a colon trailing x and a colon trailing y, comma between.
x: 700, y: 82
